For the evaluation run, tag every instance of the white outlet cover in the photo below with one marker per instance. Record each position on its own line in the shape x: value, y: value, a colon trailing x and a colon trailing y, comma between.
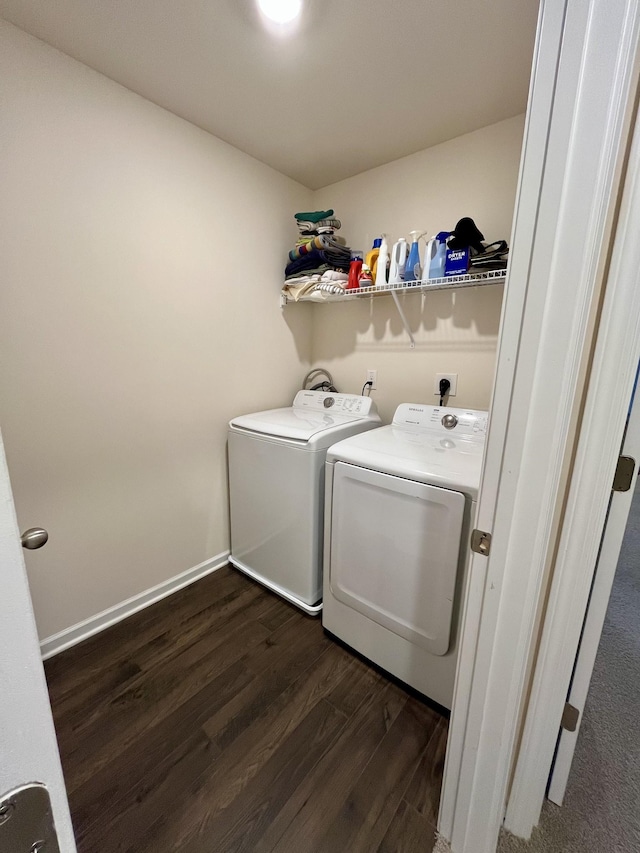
x: 453, y: 379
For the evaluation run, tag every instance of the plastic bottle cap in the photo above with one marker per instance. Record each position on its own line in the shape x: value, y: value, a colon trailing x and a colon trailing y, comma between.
x: 442, y: 236
x: 377, y: 243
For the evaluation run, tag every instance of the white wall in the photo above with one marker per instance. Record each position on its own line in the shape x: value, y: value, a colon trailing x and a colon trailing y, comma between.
x: 474, y: 175
x: 141, y: 264
x: 142, y: 260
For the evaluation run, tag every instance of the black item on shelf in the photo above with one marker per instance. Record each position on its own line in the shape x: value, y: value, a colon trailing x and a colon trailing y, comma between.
x: 466, y: 234
x: 494, y: 257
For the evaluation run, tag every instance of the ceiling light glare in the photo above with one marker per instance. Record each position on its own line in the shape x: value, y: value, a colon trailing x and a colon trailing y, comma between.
x: 280, y: 11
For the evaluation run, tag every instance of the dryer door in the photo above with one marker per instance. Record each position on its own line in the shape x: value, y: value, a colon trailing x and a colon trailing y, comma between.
x: 395, y: 547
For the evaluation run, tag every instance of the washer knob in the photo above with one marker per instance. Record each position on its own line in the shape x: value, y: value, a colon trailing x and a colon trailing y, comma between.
x: 449, y: 421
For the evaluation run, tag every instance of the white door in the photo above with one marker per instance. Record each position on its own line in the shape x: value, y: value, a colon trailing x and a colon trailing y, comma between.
x: 28, y: 748
x: 395, y: 547
x: 605, y: 570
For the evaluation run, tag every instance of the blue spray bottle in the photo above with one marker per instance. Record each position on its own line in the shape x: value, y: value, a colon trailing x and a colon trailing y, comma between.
x: 436, y: 265
x: 412, y: 271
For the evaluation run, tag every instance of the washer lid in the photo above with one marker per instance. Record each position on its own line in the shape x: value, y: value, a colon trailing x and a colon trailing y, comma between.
x: 313, y: 413
x: 416, y: 454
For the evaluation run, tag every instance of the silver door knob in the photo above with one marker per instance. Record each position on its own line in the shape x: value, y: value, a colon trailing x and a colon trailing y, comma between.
x: 449, y: 421
x: 34, y: 537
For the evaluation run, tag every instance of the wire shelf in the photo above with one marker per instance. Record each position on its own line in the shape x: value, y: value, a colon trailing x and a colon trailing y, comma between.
x: 448, y: 283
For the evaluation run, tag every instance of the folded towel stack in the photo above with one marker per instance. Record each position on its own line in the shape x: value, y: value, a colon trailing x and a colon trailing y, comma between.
x: 318, y: 249
x: 317, y: 222
x: 315, y: 286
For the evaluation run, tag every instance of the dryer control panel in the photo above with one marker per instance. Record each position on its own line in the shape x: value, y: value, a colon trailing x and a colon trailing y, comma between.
x: 445, y: 419
x: 337, y: 404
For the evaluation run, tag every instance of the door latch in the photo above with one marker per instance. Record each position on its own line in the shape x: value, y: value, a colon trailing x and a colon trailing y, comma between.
x: 481, y: 542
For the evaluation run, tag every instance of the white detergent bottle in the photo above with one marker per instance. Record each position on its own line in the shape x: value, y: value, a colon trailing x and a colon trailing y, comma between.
x: 398, y: 261
x: 429, y: 255
x: 383, y: 261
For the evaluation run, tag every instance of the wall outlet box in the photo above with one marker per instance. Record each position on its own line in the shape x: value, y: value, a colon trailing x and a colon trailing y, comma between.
x: 453, y: 379
x: 372, y: 376
x: 457, y: 262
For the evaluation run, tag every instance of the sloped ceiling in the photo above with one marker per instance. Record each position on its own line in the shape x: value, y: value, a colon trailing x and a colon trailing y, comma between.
x: 359, y: 83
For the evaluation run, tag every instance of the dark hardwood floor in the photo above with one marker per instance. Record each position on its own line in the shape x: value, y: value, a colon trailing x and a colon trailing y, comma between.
x: 224, y: 719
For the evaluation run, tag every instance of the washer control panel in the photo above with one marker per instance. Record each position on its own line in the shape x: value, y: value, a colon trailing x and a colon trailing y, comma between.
x: 343, y: 404
x: 461, y: 422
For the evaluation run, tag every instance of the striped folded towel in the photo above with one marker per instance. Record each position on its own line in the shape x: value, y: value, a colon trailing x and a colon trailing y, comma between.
x: 309, y: 227
x: 321, y: 242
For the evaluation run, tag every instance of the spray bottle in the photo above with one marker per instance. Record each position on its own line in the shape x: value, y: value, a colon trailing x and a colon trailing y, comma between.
x: 383, y: 261
x: 436, y: 266
x: 412, y: 271
x: 398, y: 261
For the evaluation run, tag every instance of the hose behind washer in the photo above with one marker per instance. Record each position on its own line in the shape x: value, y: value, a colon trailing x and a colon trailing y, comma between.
x: 325, y: 385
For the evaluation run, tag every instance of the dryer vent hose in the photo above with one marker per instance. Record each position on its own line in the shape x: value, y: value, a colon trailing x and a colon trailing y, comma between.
x: 325, y: 385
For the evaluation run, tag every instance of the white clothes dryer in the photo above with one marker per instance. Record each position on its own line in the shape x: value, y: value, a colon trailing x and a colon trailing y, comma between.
x: 276, y: 485
x: 399, y: 505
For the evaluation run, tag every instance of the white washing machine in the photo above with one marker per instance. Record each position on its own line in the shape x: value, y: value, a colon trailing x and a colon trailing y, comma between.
x: 276, y: 485
x: 400, y: 502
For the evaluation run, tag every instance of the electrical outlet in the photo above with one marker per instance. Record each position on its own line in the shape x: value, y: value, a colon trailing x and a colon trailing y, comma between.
x: 372, y: 376
x: 453, y: 379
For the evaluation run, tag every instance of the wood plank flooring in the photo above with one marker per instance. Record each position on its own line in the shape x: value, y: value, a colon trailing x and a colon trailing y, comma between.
x: 224, y: 719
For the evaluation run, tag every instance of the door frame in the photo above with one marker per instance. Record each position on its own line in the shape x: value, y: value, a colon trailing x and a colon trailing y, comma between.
x: 576, y: 139
x: 609, y: 392
x: 617, y: 517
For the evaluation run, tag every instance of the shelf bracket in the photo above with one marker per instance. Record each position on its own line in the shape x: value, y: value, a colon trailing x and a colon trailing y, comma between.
x: 405, y: 322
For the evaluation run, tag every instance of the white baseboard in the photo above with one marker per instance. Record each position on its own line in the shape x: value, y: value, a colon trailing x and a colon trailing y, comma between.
x: 94, y: 624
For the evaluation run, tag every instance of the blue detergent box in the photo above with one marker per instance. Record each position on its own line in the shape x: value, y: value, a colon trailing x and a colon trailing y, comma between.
x: 456, y: 262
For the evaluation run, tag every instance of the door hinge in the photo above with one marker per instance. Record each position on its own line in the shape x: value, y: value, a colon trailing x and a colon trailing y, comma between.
x: 481, y: 542
x: 623, y: 478
x: 26, y: 820
x: 570, y: 717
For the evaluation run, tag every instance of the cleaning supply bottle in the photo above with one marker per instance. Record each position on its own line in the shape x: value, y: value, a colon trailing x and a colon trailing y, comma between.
x: 383, y: 262
x: 436, y: 266
x: 398, y: 261
x: 365, y: 279
x: 354, y: 270
x: 413, y: 271
x: 371, y: 259
x: 429, y: 255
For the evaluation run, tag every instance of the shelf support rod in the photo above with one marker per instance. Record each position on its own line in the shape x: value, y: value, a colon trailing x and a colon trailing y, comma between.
x: 405, y: 322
